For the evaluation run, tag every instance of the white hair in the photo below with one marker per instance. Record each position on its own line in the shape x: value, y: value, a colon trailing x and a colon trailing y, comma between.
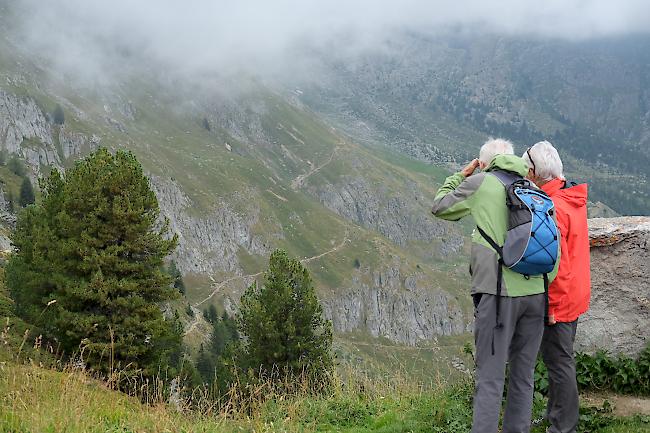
x: 543, y: 158
x: 494, y: 147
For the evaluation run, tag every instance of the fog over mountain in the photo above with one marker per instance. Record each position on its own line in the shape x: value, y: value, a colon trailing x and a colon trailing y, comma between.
x: 99, y: 38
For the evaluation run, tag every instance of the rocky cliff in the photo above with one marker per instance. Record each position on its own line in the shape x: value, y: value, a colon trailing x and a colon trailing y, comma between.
x: 619, y: 315
x: 209, y: 243
x: 402, y: 308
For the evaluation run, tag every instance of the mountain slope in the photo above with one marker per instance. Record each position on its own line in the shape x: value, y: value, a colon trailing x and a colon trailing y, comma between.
x: 240, y: 170
x: 438, y: 98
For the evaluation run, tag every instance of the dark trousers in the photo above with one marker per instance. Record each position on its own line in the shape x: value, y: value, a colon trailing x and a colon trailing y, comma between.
x: 516, y: 342
x: 557, y: 351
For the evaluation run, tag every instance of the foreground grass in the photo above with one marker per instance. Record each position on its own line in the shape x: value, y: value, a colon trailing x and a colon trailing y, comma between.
x: 34, y: 399
x: 41, y: 400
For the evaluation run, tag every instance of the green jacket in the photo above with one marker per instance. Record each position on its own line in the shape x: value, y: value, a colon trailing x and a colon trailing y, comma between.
x: 483, y: 197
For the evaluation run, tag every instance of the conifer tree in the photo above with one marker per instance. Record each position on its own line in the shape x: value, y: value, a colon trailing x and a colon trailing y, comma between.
x: 88, y: 267
x: 177, y: 277
x: 220, y: 338
x: 26, y: 193
x: 58, y: 115
x: 211, y: 314
x: 231, y: 327
x: 16, y: 166
x: 282, y: 322
x: 205, y: 365
x: 215, y: 361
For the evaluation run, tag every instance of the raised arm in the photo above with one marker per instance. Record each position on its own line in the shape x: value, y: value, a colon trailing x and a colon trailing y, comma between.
x: 455, y: 197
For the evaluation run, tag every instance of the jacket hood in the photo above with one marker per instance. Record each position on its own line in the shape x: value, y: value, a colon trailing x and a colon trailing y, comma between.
x: 574, y: 195
x: 511, y: 163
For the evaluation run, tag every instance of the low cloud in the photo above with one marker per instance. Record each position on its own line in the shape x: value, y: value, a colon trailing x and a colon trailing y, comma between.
x: 98, y: 38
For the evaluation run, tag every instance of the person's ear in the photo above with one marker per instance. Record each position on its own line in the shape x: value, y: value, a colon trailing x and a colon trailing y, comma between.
x: 530, y: 175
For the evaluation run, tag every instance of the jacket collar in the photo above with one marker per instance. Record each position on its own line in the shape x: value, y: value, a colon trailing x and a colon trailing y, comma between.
x: 553, y: 186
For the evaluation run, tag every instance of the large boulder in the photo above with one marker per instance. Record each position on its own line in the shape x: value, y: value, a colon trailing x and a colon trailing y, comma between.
x: 619, y: 316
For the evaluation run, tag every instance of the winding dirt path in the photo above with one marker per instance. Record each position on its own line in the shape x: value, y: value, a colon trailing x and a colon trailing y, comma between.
x: 298, y: 181
x: 623, y: 405
x: 195, y: 322
x: 336, y: 248
x: 217, y: 286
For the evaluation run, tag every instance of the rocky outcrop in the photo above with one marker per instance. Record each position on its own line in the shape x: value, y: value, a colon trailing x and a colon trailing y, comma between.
x: 396, y: 216
x: 25, y: 131
x: 619, y: 314
x: 208, y: 244
x: 71, y: 143
x: 401, y: 308
x: 20, y: 119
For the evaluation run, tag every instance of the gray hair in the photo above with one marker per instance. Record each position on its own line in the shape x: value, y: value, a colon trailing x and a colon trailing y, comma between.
x: 494, y: 147
x: 544, y: 159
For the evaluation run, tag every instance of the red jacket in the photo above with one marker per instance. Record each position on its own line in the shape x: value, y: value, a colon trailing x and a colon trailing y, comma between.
x: 569, y: 293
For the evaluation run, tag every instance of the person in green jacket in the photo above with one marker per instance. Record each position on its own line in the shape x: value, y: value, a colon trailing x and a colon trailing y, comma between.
x: 515, y: 336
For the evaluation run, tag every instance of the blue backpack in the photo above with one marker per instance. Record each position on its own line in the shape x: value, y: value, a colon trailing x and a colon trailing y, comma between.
x: 531, y: 246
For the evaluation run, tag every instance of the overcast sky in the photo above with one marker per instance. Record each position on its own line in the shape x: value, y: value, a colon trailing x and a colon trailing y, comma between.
x: 216, y: 35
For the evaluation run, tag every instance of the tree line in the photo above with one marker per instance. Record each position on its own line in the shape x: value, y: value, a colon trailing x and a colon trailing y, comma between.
x: 91, y: 271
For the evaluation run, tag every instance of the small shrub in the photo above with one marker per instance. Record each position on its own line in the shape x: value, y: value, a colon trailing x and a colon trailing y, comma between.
x: 594, y: 419
x: 601, y: 371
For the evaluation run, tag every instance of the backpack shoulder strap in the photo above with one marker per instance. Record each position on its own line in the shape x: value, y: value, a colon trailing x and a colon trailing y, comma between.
x: 491, y: 241
x: 499, y: 251
x: 505, y: 177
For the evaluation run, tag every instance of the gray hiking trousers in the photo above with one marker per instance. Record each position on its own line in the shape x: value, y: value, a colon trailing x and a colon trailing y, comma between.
x: 563, y: 401
x: 517, y: 343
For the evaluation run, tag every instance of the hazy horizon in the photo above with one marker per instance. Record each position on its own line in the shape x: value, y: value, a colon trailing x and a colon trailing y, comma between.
x: 95, y: 38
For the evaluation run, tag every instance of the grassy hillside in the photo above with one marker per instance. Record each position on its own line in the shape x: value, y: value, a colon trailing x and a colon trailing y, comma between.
x: 40, y: 400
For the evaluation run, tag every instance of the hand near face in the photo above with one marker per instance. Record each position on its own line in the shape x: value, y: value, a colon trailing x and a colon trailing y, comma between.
x: 470, y: 168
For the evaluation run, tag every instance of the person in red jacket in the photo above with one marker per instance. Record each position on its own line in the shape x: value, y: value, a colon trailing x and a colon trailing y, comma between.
x: 569, y: 293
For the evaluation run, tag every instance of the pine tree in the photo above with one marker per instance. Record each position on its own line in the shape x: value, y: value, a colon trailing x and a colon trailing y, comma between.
x: 211, y: 314
x: 58, y: 115
x: 282, y: 322
x: 220, y: 338
x: 216, y: 361
x: 88, y: 267
x: 16, y: 166
x: 26, y: 193
x: 231, y: 327
x: 205, y: 365
x: 177, y: 277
